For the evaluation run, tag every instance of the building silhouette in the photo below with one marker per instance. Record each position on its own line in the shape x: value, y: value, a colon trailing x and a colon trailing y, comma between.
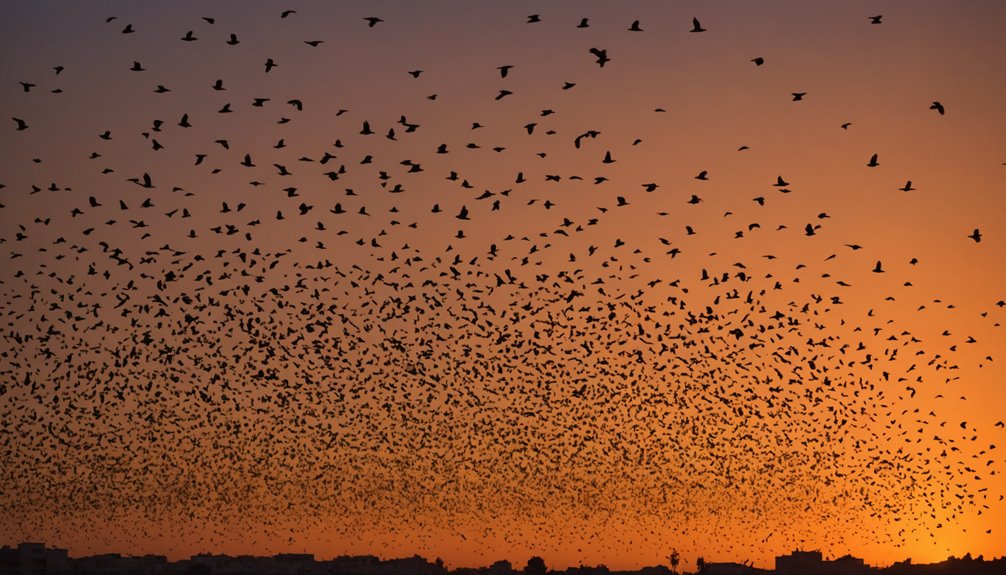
x: 812, y: 563
x: 33, y: 559
x: 37, y: 559
x: 730, y: 568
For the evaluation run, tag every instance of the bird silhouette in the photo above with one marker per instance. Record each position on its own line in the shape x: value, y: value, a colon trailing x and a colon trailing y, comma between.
x: 602, y: 56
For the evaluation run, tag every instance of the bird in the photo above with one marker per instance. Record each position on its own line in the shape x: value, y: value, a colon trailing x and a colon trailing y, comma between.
x: 758, y: 61
x: 373, y: 21
x: 504, y: 70
x: 873, y: 161
x: 634, y: 27
x: 602, y: 56
x: 875, y: 19
x: 584, y: 23
x: 533, y: 18
x: 938, y: 107
x: 189, y: 37
x: 696, y: 26
x: 233, y: 40
x: 21, y: 125
x: 798, y: 96
x: 907, y: 187
x: 976, y: 235
x: 878, y: 269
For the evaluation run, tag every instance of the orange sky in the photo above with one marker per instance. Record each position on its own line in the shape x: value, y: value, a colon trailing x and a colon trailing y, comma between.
x: 595, y: 371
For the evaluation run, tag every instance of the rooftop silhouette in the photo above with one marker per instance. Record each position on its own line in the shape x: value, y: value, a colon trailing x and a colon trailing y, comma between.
x: 38, y: 559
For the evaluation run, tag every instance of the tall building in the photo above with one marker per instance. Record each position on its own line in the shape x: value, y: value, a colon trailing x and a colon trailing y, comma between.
x: 33, y: 559
x: 812, y: 563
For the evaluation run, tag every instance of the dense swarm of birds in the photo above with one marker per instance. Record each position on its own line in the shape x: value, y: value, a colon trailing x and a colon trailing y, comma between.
x: 419, y: 326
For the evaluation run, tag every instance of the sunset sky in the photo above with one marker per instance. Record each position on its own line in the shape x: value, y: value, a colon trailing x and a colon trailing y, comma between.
x: 275, y: 277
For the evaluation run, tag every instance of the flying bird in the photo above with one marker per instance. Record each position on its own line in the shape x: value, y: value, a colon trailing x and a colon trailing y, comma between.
x: 602, y: 56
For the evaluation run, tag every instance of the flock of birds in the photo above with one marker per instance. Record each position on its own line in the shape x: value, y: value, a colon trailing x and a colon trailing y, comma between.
x: 434, y: 348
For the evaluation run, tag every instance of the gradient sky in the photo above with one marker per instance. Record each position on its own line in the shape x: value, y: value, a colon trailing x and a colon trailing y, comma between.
x: 307, y: 349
